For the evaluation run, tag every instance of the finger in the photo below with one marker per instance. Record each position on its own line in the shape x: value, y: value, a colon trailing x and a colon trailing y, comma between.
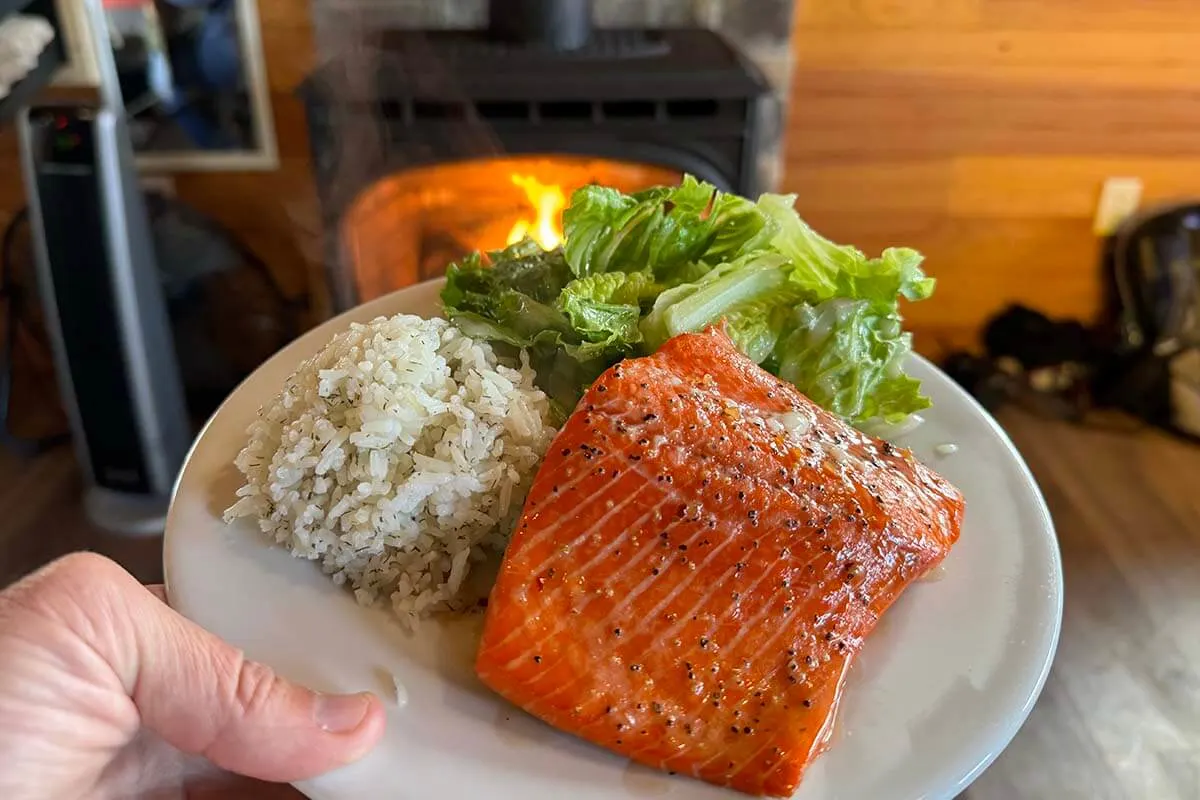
x: 158, y: 590
x: 202, y: 696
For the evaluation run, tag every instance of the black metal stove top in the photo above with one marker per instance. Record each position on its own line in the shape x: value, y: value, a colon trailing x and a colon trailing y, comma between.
x: 614, y: 64
x: 423, y: 92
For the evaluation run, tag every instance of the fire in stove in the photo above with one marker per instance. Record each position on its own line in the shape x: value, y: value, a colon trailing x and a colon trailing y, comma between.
x: 548, y: 202
x: 408, y: 226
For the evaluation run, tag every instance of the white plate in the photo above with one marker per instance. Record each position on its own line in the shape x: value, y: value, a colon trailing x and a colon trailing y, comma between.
x: 939, y: 690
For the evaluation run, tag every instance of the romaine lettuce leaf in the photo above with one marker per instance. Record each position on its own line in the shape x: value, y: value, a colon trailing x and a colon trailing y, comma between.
x: 825, y: 270
x: 626, y: 288
x: 849, y: 358
x: 512, y: 303
x: 692, y: 307
x: 605, y: 308
x: 613, y: 323
x: 659, y: 229
x: 756, y: 326
x: 523, y: 267
x: 636, y: 269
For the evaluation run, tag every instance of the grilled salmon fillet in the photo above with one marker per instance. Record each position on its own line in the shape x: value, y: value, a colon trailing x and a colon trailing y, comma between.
x: 700, y: 557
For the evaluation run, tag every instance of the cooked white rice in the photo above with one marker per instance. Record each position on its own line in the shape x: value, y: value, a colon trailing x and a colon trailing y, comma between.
x: 397, y: 456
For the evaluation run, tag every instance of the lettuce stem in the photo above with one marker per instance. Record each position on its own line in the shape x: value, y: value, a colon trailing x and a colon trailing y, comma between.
x: 706, y: 305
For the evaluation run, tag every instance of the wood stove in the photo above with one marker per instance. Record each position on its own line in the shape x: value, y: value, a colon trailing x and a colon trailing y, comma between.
x: 430, y: 144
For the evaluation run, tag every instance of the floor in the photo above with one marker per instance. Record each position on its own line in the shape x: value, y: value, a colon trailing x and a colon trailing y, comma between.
x: 1120, y: 715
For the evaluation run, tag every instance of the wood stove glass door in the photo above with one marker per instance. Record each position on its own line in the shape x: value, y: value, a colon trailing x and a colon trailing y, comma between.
x: 409, y: 226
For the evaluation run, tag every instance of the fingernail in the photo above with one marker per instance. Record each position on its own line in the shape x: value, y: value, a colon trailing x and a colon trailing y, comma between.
x: 340, y: 713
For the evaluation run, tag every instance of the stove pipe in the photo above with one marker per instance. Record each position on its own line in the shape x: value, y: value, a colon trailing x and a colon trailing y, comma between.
x: 552, y: 24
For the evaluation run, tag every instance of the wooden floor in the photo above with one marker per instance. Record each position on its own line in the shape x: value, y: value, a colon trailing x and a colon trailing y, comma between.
x: 1120, y: 715
x: 42, y: 517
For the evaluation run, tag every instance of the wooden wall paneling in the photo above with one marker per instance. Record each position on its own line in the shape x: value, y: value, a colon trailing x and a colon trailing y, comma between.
x: 1059, y: 187
x: 914, y: 115
x: 854, y: 15
x: 1102, y: 58
x: 1142, y: 16
x: 1150, y: 17
x: 981, y: 131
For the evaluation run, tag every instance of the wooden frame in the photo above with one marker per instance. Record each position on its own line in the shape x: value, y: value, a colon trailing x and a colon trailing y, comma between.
x: 82, y: 70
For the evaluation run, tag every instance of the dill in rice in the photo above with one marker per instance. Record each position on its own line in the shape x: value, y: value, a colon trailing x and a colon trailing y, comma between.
x: 397, y: 457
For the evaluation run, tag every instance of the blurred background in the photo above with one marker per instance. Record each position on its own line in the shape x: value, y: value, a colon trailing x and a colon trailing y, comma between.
x: 280, y: 161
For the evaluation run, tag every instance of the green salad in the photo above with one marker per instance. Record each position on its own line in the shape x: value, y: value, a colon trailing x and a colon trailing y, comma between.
x: 636, y: 269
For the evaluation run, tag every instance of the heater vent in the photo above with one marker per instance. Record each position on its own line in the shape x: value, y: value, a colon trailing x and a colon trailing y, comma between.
x: 411, y: 112
x: 427, y: 110
x: 566, y: 109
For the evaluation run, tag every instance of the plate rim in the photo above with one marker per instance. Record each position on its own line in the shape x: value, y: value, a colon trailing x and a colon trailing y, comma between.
x: 1031, y: 690
x: 1035, y: 687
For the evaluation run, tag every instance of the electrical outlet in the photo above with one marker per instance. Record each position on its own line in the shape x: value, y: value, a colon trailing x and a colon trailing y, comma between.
x: 1119, y: 199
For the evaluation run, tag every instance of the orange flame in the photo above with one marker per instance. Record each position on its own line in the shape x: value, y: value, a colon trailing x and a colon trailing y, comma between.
x: 548, y: 202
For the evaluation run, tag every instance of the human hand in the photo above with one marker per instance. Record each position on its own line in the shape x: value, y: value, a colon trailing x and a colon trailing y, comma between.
x: 105, y: 692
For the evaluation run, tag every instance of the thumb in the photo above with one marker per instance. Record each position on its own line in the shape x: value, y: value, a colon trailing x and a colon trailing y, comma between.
x: 204, y: 697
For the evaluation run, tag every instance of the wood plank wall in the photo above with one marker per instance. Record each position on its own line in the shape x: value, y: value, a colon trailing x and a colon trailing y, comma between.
x: 980, y: 131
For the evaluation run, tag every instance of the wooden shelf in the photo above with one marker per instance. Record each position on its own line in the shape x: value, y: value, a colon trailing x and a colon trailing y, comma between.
x: 28, y: 88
